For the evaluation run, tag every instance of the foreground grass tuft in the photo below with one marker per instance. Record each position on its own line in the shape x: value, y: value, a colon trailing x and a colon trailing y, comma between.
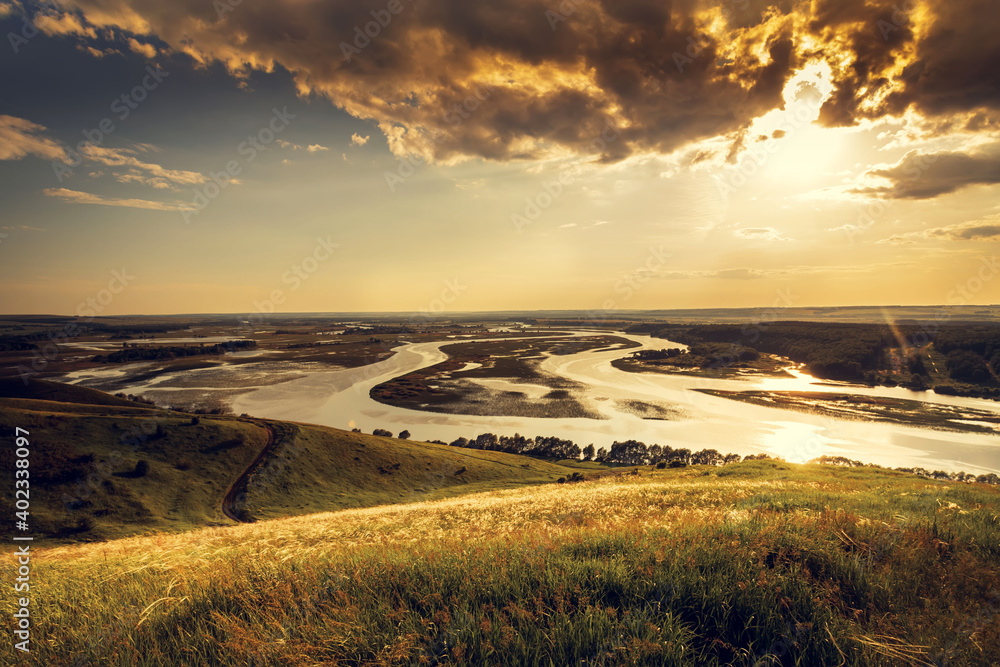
x: 768, y: 564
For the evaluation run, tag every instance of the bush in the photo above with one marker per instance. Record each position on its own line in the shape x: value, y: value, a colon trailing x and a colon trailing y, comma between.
x: 404, y: 435
x: 967, y: 366
x: 382, y: 432
x: 677, y: 464
x: 142, y: 468
x: 195, y: 421
x: 661, y: 465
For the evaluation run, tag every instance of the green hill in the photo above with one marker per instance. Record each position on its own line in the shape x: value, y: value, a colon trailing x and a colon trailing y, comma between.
x: 88, y: 483
x: 56, y: 391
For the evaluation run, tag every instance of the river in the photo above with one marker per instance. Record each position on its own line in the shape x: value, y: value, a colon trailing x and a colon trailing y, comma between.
x: 340, y: 398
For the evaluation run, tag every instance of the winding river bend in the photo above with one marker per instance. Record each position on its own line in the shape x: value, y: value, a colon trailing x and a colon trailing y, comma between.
x: 341, y: 399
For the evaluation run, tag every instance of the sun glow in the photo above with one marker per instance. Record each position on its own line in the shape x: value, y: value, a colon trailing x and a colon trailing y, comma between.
x: 786, y: 143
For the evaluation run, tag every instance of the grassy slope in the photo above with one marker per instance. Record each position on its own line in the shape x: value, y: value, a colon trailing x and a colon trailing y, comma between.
x: 54, y: 391
x: 84, y: 454
x: 83, y: 458
x: 324, y: 469
x: 755, y: 563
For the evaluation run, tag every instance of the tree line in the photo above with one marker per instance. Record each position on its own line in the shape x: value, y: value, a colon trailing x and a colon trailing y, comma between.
x: 136, y: 353
x: 844, y: 350
x: 637, y: 453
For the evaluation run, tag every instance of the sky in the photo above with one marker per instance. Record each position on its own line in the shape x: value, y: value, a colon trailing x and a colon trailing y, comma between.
x: 436, y: 156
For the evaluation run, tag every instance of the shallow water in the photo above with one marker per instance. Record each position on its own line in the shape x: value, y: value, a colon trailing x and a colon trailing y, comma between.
x: 340, y: 398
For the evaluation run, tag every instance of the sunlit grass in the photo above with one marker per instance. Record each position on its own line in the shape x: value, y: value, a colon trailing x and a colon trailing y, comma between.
x: 755, y: 563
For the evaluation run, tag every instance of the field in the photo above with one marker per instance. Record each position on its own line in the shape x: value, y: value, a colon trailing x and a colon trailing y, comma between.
x: 755, y: 563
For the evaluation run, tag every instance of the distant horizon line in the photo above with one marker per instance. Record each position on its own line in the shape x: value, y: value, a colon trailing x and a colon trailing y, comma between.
x: 597, y: 314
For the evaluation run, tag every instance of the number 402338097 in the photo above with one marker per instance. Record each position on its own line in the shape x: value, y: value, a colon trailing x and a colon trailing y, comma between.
x: 21, y: 483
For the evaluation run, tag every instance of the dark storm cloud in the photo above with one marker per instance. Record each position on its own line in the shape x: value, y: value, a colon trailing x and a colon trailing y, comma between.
x: 451, y: 78
x: 606, y: 78
x: 939, y: 58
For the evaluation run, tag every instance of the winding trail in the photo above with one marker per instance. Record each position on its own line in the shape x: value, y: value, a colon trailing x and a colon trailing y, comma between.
x: 239, y: 485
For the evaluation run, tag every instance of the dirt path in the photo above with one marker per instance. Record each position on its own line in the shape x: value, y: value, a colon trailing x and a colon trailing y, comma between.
x: 240, y: 484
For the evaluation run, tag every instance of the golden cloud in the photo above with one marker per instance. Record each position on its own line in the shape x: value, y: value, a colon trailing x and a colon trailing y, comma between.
x: 509, y: 79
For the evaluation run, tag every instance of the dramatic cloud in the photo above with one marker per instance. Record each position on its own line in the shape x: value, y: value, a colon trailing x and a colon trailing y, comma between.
x: 358, y: 140
x: 923, y: 176
x: 76, y: 197
x: 20, y: 137
x: 450, y: 79
x: 511, y: 79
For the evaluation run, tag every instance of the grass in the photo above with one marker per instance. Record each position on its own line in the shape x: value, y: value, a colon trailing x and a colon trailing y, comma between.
x: 83, y: 459
x: 84, y: 455
x: 758, y: 563
x: 324, y: 468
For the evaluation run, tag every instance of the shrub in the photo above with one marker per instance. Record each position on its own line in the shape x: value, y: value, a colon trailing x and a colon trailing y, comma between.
x: 142, y: 468
x: 661, y: 465
x: 195, y: 421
